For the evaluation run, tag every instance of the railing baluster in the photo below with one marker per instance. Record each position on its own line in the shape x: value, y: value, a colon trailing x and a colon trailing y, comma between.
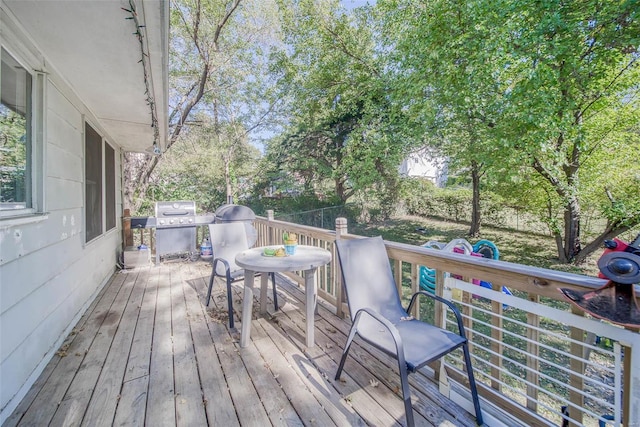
x: 496, y: 345
x: 397, y: 273
x: 577, y: 367
x: 341, y: 230
x: 533, y: 350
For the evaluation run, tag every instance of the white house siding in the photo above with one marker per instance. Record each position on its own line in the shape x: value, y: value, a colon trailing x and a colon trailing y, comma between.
x: 48, y: 275
x: 425, y: 165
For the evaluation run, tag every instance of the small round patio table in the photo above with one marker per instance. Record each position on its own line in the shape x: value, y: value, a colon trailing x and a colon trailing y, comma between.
x: 306, y: 258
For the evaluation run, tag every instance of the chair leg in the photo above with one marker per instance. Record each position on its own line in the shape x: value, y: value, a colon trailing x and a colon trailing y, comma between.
x: 230, y: 302
x: 406, y: 393
x: 275, y: 294
x: 210, y: 287
x: 472, y: 385
x: 345, y: 352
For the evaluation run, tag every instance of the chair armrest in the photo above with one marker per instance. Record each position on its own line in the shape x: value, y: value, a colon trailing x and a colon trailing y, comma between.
x: 449, y: 304
x: 397, y: 339
x: 227, y: 269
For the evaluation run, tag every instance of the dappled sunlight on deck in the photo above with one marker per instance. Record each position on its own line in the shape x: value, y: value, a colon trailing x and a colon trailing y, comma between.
x: 148, y: 351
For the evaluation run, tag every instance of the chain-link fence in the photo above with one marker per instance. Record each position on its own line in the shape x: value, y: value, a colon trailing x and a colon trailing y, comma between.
x: 322, y: 218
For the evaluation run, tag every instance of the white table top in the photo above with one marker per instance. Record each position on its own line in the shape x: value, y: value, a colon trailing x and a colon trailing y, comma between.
x: 305, y: 258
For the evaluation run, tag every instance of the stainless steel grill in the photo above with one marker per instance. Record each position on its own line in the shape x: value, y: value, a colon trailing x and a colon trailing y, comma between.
x: 175, y: 228
x: 175, y: 214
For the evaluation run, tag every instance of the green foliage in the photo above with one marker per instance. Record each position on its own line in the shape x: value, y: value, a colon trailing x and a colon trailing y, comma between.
x: 528, y: 100
x: 573, y: 100
x: 194, y: 169
x: 444, y: 66
x: 289, y: 204
x: 13, y: 155
x: 342, y: 128
x: 422, y: 198
x: 532, y: 97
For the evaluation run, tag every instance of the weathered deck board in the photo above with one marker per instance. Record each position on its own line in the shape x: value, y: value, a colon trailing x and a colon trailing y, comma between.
x: 133, y: 397
x: 75, y: 402
x: 104, y: 400
x: 189, y: 401
x: 161, y: 395
x: 313, y: 406
x: 148, y: 352
x: 215, y: 393
x: 278, y: 407
x: 350, y: 392
x: 43, y: 398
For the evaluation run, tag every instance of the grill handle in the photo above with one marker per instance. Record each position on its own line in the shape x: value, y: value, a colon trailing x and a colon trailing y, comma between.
x: 176, y: 213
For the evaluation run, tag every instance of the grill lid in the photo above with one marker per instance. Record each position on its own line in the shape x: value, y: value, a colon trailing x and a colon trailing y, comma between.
x: 237, y: 213
x: 234, y: 213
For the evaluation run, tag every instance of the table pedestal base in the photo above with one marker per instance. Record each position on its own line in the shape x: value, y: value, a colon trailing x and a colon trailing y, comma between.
x: 311, y: 295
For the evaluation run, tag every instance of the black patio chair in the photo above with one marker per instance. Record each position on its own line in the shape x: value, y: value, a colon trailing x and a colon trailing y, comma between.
x: 380, y: 320
x: 228, y: 240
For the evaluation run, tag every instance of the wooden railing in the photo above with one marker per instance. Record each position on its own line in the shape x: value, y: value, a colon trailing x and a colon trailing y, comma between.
x: 533, y: 354
x: 521, y: 343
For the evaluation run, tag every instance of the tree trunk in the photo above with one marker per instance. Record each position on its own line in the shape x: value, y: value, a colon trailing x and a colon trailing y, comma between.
x: 474, y: 230
x: 611, y: 231
x: 341, y: 190
x: 137, y: 170
x: 560, y: 247
x: 139, y: 166
x: 227, y: 178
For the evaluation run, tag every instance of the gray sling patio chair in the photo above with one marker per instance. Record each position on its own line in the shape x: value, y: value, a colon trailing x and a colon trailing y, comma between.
x: 379, y: 318
x: 227, y: 240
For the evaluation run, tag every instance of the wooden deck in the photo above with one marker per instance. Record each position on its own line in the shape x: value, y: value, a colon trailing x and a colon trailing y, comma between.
x: 148, y: 352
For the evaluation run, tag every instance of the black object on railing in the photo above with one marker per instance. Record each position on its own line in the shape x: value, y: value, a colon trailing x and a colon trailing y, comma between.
x: 615, y: 301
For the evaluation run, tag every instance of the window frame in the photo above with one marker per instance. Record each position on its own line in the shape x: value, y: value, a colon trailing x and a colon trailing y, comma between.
x: 107, y: 190
x: 110, y: 187
x: 36, y: 163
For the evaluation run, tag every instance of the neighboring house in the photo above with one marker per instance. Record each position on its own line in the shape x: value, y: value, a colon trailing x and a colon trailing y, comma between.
x: 79, y: 88
x: 424, y: 165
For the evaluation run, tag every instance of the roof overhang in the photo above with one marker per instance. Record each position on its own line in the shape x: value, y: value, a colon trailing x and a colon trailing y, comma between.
x: 93, y: 46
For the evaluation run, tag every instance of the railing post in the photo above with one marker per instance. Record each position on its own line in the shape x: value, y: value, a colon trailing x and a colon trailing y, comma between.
x: 271, y: 234
x: 341, y: 230
x: 415, y: 287
x: 127, y: 235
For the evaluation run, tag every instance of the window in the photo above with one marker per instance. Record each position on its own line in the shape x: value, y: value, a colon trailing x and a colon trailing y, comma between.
x: 93, y: 183
x: 16, y: 143
x: 100, y: 184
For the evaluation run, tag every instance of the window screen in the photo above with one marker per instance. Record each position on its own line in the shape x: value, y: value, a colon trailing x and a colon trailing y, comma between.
x: 93, y: 183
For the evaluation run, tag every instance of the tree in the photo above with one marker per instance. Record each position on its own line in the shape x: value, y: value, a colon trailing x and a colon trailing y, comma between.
x: 341, y: 118
x: 218, y: 59
x: 530, y: 96
x: 197, y: 168
x: 444, y: 62
x: 574, y: 74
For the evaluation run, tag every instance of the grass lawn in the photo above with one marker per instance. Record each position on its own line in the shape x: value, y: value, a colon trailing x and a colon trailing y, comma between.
x: 514, y: 246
